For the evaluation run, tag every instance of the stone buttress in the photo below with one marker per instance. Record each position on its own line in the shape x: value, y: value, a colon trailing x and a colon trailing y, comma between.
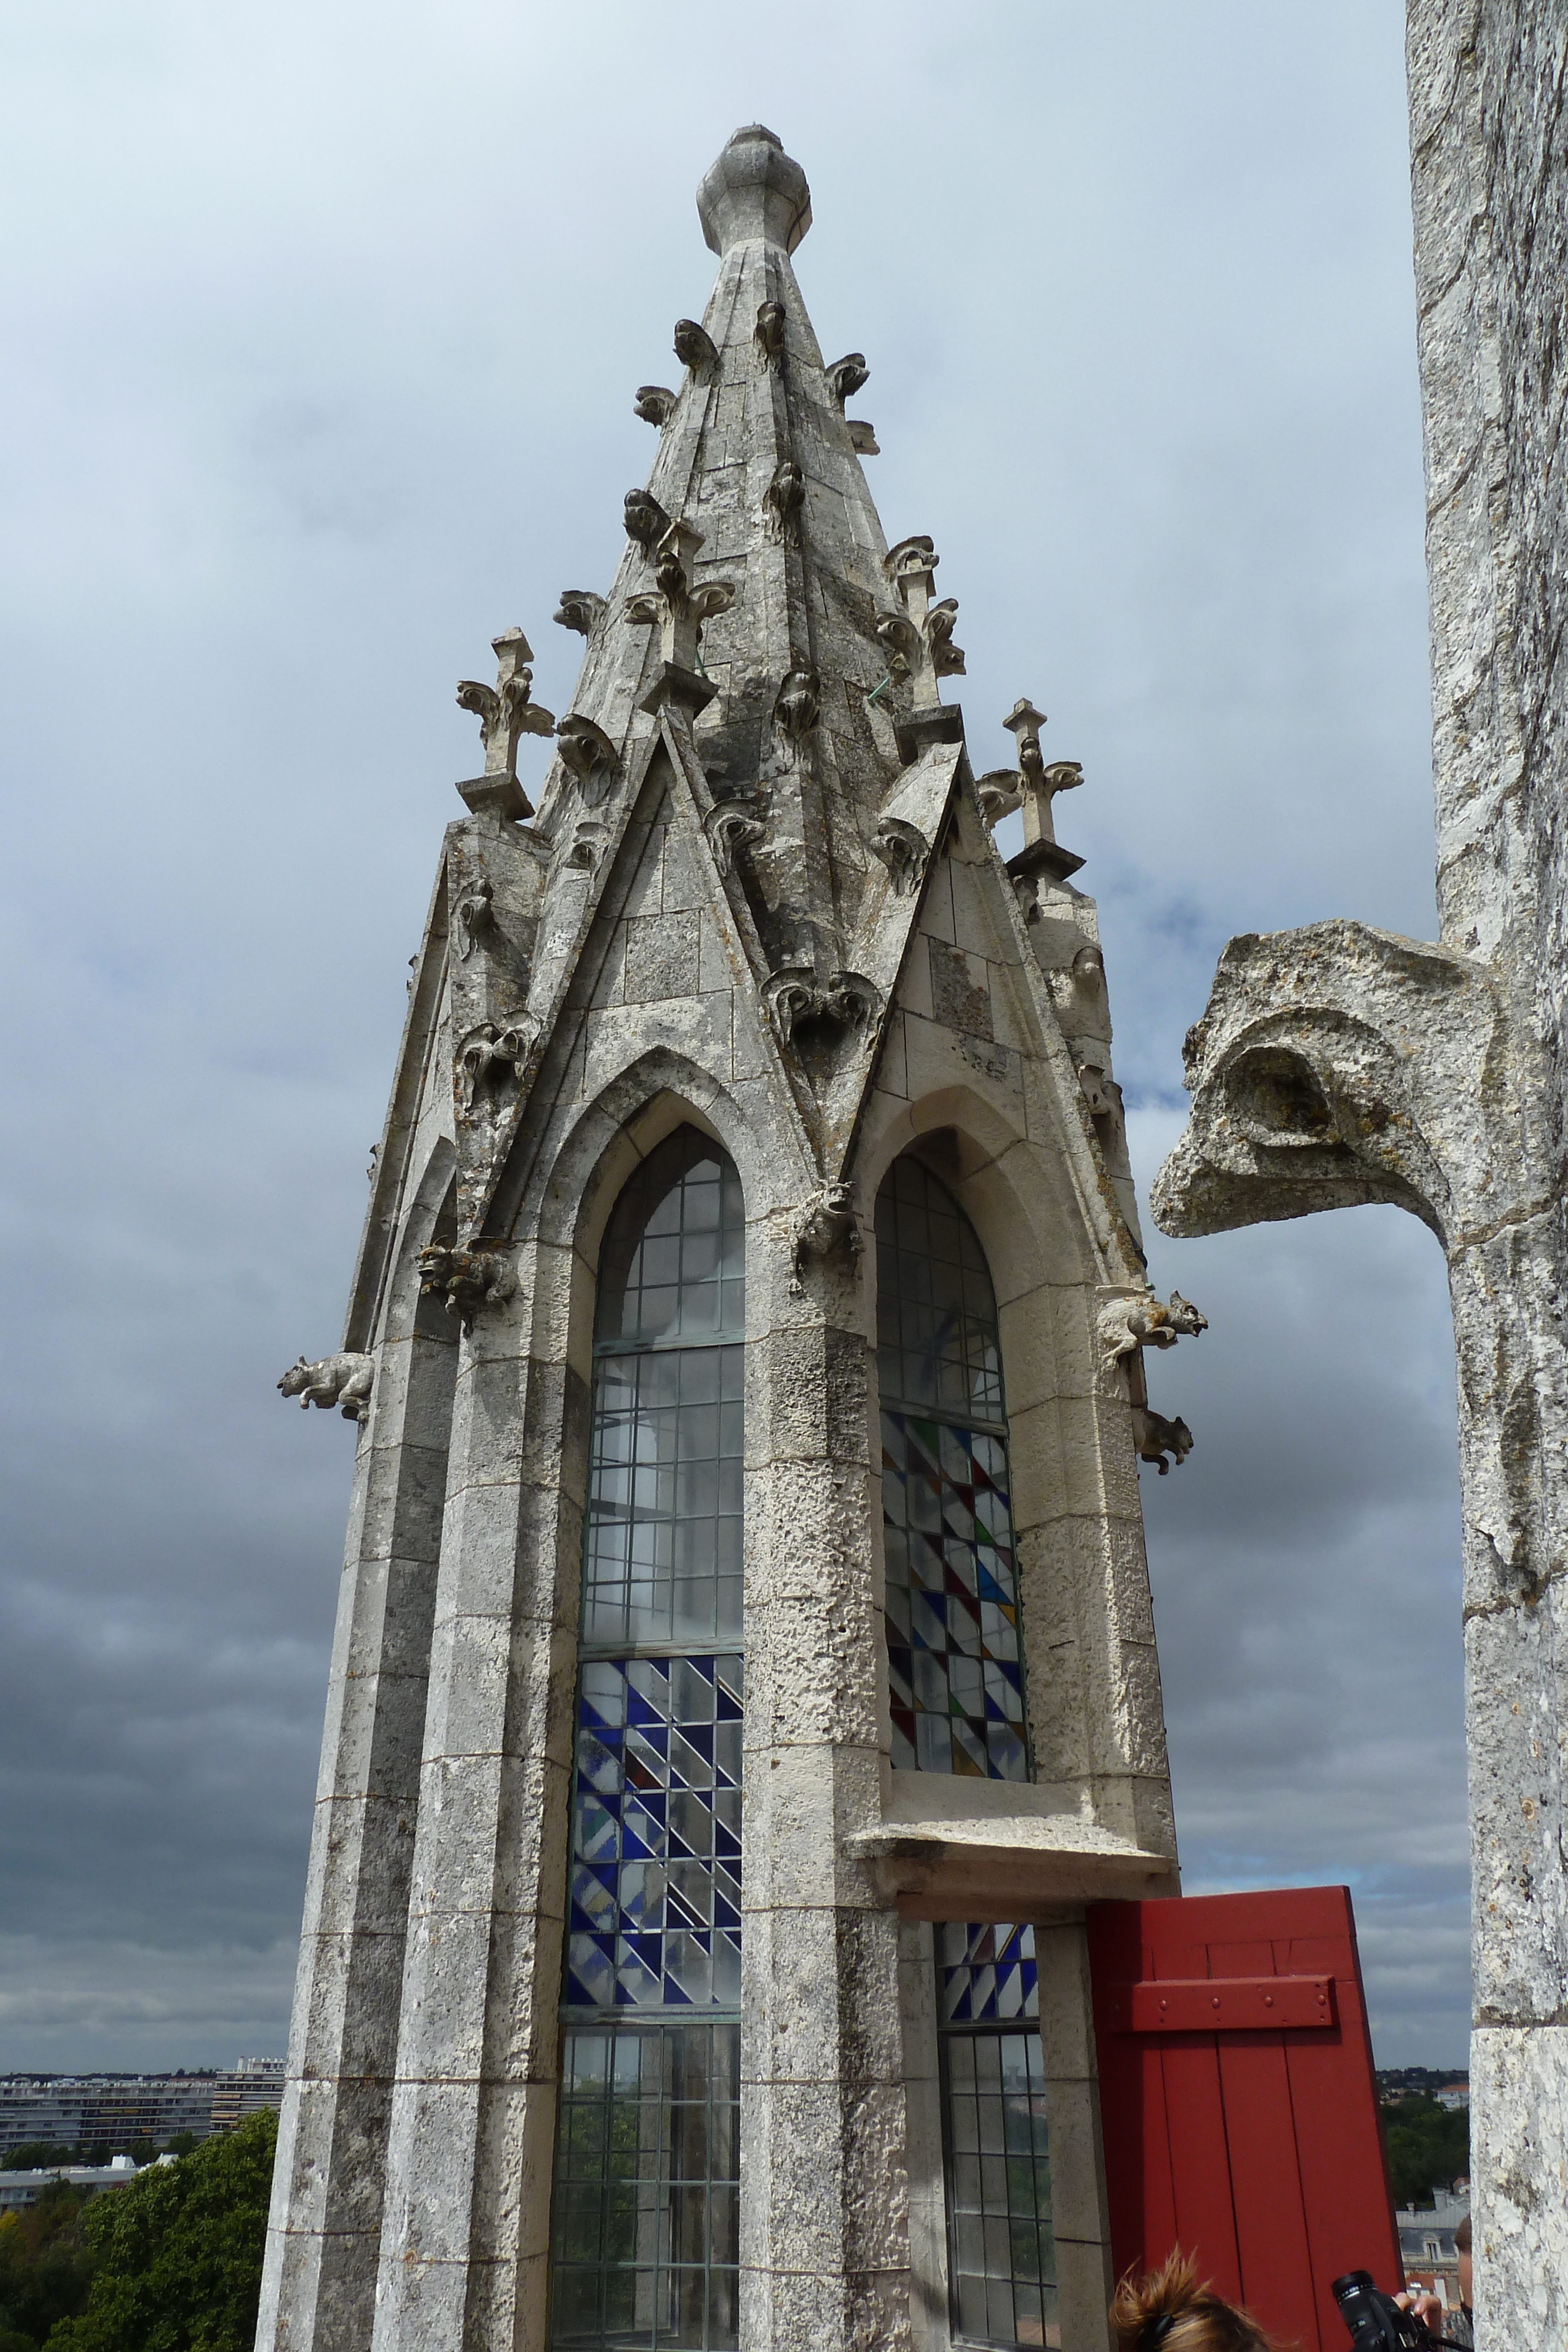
x: 759, y: 916
x: 1338, y: 1064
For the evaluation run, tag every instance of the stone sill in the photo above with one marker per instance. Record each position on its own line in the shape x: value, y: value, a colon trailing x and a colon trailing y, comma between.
x: 953, y: 1849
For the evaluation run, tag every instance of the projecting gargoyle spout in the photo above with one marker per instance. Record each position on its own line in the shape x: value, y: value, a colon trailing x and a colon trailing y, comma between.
x: 1338, y: 1065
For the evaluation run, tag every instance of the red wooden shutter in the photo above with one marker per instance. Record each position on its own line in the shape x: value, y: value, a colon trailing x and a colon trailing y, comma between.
x: 1254, y: 2145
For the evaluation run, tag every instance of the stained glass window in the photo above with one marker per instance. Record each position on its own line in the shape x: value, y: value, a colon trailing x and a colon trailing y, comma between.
x: 955, y: 1669
x: 645, y: 2245
x: 1001, y: 2247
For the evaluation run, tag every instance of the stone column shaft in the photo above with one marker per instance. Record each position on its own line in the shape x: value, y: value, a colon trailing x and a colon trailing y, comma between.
x: 824, y: 2247
x: 319, y: 2279
x: 465, y: 2229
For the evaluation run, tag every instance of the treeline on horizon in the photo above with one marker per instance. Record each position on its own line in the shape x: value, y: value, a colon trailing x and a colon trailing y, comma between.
x: 169, y: 2263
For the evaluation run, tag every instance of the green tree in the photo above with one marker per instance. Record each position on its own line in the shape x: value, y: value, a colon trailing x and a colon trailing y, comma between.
x: 1429, y: 2146
x: 45, y: 2267
x: 178, y: 2252
x: 40, y: 2156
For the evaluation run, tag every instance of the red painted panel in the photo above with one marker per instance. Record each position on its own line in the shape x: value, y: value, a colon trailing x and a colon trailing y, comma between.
x: 1223, y: 2005
x: 1257, y: 2151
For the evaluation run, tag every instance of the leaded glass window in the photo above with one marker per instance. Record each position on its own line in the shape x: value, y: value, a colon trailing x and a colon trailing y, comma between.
x: 645, y: 2245
x: 1001, y: 2249
x: 955, y: 1669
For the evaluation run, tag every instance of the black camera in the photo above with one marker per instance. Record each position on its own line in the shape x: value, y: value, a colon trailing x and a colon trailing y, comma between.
x: 1375, y: 2320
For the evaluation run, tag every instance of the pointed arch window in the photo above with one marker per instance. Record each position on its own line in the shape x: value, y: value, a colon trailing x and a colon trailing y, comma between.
x: 645, y: 2245
x: 955, y: 1664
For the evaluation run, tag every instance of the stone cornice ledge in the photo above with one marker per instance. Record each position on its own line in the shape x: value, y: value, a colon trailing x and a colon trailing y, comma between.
x: 952, y: 1849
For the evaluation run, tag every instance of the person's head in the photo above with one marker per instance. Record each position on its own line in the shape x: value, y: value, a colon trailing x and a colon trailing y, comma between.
x: 1462, y: 2241
x: 1170, y: 2311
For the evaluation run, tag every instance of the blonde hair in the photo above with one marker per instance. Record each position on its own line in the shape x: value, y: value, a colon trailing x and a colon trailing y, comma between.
x: 1195, y: 2318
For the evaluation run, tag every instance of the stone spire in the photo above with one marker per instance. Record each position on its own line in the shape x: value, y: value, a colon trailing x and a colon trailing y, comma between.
x: 755, y: 597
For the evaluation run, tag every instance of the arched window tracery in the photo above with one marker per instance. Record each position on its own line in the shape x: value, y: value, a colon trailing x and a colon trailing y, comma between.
x: 645, y: 2223
x: 956, y: 1690
x: 954, y: 1662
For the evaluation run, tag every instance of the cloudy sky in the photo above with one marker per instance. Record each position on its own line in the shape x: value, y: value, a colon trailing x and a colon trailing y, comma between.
x: 323, y: 327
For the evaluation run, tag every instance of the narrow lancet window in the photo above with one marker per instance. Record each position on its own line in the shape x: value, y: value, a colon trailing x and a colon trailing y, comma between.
x: 1001, y: 2247
x: 645, y: 2230
x: 953, y: 1653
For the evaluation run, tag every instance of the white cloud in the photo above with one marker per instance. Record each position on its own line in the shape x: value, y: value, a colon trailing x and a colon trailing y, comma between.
x: 324, y: 325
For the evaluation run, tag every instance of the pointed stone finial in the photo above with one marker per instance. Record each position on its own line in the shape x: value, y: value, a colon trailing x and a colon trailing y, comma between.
x: 1040, y: 781
x: 754, y: 190
x: 505, y: 711
x: 919, y: 640
x: 677, y: 611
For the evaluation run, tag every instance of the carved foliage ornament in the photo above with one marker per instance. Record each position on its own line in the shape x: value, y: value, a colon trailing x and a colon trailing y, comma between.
x: 645, y: 519
x: 653, y: 403
x: 579, y: 609
x: 731, y: 826
x: 826, y: 1226
x: 846, y: 376
x: 471, y: 915
x: 467, y: 1279
x: 341, y: 1381
x: 768, y: 333
x: 782, y: 502
x: 795, y: 995
x: 695, y: 347
x: 491, y: 1053
x: 903, y: 850
x: 589, y: 755
x: 797, y: 706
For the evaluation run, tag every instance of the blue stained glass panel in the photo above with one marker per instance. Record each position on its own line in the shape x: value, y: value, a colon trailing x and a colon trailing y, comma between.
x: 986, y: 1974
x: 655, y: 1862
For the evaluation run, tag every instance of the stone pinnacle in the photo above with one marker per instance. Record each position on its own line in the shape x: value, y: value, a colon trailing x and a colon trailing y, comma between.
x: 754, y: 190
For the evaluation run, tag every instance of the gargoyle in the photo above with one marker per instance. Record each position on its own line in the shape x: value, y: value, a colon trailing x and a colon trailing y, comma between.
x: 468, y: 1279
x: 645, y: 519
x: 653, y: 405
x: 471, y: 915
x: 785, y: 496
x: 846, y: 376
x: 580, y: 610
x: 769, y: 333
x: 826, y: 1223
x: 903, y: 850
x: 695, y: 347
x: 587, y: 751
x: 341, y: 1381
x: 1125, y: 1325
x: 1154, y: 1437
x: 506, y: 709
x: 731, y: 825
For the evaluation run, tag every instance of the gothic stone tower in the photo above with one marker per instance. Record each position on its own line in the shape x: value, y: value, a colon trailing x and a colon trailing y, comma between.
x: 744, y: 1672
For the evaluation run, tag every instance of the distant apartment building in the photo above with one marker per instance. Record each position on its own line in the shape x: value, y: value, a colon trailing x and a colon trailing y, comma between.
x: 1426, y: 2246
x: 113, y: 2110
x: 19, y: 2188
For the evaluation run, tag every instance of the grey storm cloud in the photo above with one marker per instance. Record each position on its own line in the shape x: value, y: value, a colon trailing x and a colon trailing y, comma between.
x: 324, y: 325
